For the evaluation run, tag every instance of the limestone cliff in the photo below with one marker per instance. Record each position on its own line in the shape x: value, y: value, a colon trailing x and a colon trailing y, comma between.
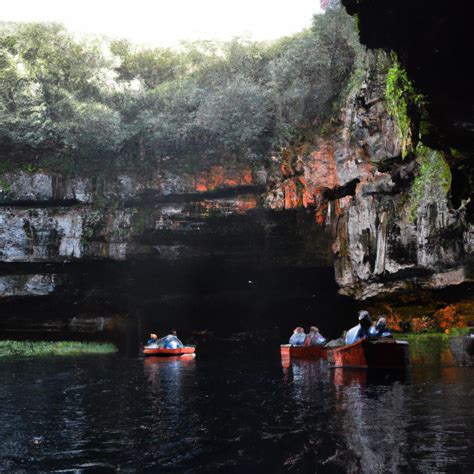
x: 393, y: 225
x: 345, y: 200
x: 384, y: 234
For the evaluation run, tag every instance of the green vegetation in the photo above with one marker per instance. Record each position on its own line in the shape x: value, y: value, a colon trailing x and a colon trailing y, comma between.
x: 139, y: 221
x: 434, y: 175
x: 401, y: 100
x: 6, y: 166
x: 426, y: 347
x: 45, y: 348
x: 89, y: 105
x: 438, y: 338
x: 357, y: 22
x: 433, y: 179
x: 5, y: 187
x: 423, y: 338
x: 457, y: 154
x: 94, y: 221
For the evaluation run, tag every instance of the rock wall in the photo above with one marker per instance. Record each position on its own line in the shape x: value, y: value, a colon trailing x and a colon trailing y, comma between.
x: 77, y: 251
x: 346, y: 201
x: 430, y: 41
x: 393, y: 224
x: 191, y: 251
x: 166, y: 215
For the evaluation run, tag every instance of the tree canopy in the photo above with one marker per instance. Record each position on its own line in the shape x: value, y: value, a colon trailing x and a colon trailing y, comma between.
x: 92, y: 103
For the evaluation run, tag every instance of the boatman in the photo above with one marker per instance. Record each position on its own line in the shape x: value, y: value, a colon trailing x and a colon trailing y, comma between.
x: 362, y: 330
x: 380, y: 329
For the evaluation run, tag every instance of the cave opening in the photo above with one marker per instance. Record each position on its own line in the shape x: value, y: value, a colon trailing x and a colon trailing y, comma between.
x: 201, y: 299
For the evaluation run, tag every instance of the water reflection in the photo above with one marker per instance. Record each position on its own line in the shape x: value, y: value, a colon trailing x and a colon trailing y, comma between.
x: 389, y: 422
x: 165, y: 378
x: 360, y: 405
x: 373, y: 422
x: 244, y: 415
x: 344, y: 378
x: 171, y: 365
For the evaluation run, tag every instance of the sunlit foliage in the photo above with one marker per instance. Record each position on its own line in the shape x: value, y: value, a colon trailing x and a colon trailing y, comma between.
x: 105, y: 103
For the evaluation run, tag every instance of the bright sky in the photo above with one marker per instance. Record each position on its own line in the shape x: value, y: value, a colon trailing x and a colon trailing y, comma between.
x: 166, y: 22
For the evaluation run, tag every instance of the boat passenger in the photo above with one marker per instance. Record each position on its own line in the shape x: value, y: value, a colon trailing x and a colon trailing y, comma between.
x: 171, y: 341
x: 153, y: 339
x: 380, y: 328
x: 314, y: 337
x: 298, y: 337
x: 361, y: 330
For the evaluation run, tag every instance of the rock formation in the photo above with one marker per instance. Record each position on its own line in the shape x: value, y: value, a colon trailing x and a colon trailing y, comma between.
x: 347, y: 201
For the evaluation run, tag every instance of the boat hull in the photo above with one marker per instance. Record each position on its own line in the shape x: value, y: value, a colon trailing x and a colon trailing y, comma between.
x: 364, y: 354
x: 302, y: 352
x: 161, y: 352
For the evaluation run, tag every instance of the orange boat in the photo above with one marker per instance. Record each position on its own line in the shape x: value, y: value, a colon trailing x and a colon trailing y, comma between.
x: 302, y: 352
x: 386, y: 353
x: 161, y: 352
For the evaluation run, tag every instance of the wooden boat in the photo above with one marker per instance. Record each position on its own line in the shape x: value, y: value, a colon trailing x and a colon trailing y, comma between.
x: 302, y: 352
x: 385, y: 353
x: 161, y: 352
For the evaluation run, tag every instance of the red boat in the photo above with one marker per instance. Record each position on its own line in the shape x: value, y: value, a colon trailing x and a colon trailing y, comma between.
x: 386, y: 353
x: 160, y: 352
x: 302, y: 352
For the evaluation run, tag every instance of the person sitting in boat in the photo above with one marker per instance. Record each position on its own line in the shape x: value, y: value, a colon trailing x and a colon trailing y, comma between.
x: 380, y: 328
x: 171, y: 341
x: 362, y: 330
x: 153, y: 339
x: 298, y: 337
x: 314, y: 337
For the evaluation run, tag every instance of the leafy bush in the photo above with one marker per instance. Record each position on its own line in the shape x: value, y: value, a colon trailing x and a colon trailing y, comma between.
x: 46, y: 348
x: 401, y: 101
x: 433, y: 180
x: 312, y: 70
x: 100, y: 104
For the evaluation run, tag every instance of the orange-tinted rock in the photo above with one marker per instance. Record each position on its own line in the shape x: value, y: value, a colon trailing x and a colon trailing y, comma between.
x: 320, y: 214
x: 291, y: 195
x: 246, y: 177
x: 303, y: 180
x: 220, y: 177
x: 239, y: 205
x: 307, y: 198
x: 246, y: 204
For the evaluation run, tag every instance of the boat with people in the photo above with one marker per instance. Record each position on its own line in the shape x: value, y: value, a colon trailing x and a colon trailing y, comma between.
x: 369, y: 346
x: 163, y: 352
x: 304, y: 346
x: 168, y: 346
x: 383, y: 353
x: 303, y: 352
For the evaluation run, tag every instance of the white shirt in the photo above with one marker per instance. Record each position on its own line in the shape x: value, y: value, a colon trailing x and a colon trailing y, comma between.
x: 351, y: 335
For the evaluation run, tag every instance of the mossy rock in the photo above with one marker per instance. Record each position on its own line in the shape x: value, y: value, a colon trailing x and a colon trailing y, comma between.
x: 402, y: 99
x: 433, y: 180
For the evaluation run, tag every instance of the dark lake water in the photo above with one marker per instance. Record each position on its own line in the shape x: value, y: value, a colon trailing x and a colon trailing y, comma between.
x: 239, y: 414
